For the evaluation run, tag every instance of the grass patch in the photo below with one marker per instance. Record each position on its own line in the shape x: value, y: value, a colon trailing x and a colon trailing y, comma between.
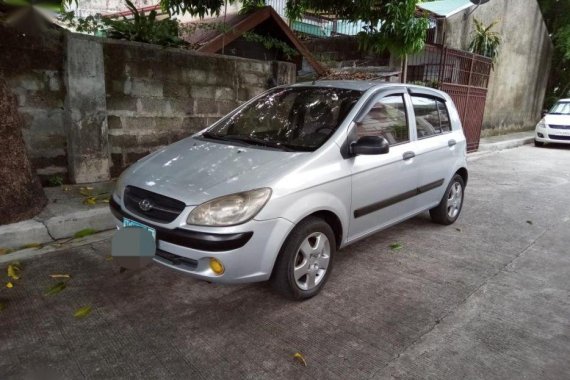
x: 31, y: 245
x: 396, y: 246
x: 83, y: 233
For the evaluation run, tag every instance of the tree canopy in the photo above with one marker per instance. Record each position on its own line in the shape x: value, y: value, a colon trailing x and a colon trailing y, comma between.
x: 556, y: 15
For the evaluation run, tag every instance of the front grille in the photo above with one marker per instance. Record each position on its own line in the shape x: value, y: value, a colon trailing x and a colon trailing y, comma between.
x: 559, y: 126
x: 555, y: 137
x: 162, y: 209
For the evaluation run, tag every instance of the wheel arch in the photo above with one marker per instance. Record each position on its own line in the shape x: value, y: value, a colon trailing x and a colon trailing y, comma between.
x: 464, y: 174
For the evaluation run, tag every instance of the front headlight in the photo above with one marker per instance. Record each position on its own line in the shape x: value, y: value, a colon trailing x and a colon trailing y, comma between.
x: 231, y: 209
x: 541, y: 124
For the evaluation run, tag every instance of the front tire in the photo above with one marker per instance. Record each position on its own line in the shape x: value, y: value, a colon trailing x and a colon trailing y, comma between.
x: 538, y: 143
x: 451, y: 204
x: 305, y: 260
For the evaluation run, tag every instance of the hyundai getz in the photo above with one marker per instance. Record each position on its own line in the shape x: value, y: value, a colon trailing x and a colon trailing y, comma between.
x: 274, y: 189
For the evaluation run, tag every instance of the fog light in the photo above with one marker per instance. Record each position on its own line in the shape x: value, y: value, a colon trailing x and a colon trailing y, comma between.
x: 216, y: 266
x: 540, y: 135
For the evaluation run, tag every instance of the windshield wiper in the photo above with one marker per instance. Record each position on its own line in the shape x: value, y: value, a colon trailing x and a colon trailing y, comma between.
x: 213, y: 136
x: 257, y: 141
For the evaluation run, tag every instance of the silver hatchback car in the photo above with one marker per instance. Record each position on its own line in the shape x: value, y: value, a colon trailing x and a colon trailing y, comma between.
x: 274, y: 189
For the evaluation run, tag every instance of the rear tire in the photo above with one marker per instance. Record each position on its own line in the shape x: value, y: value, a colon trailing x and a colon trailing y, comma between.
x: 451, y: 204
x: 305, y: 260
x: 538, y: 143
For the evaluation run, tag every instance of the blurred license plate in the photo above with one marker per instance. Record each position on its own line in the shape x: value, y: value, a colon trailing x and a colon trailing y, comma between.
x: 132, y: 223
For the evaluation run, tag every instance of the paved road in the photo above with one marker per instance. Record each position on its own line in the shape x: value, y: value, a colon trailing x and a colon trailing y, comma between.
x: 486, y: 298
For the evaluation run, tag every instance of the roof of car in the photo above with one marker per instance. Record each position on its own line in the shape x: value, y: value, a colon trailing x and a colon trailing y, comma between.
x: 359, y: 85
x: 362, y: 85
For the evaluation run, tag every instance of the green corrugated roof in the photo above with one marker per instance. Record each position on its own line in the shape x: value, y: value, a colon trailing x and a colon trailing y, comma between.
x: 445, y: 8
x: 310, y: 29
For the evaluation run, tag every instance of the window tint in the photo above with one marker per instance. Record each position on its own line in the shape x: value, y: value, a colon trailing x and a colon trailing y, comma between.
x: 387, y: 119
x: 432, y: 117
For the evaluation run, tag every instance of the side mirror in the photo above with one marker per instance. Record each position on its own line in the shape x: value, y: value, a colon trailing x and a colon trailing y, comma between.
x: 544, y: 112
x: 369, y: 145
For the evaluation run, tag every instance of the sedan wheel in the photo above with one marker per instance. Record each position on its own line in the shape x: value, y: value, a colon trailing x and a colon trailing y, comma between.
x: 312, y: 261
x: 305, y: 260
x: 450, y: 206
x: 454, y: 200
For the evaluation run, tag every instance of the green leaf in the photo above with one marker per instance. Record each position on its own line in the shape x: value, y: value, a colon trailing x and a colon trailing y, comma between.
x: 55, y: 289
x: 396, y: 246
x: 84, y: 232
x: 82, y: 312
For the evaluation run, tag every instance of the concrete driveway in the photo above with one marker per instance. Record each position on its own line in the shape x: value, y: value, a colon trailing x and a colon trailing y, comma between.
x: 486, y: 298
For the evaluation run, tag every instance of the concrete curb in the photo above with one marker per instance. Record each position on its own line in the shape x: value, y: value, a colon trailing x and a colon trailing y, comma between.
x: 507, y: 144
x: 36, y: 231
x: 26, y: 254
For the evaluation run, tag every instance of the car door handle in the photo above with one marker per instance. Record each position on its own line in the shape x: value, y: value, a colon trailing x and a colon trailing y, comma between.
x: 451, y: 143
x: 408, y: 155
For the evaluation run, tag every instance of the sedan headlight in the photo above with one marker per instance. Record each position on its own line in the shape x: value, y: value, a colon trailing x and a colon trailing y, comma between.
x: 541, y: 124
x: 231, y: 209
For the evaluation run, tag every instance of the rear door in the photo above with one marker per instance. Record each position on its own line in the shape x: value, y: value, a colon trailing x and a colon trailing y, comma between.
x: 383, y: 186
x: 437, y: 148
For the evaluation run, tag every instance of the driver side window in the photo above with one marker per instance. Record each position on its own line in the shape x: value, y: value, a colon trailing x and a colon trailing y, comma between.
x: 386, y: 118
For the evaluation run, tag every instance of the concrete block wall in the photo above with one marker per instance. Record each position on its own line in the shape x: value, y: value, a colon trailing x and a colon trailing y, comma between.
x: 33, y: 68
x: 151, y: 97
x: 157, y: 96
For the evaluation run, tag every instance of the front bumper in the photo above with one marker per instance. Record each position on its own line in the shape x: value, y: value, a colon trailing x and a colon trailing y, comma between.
x: 552, y: 135
x: 248, y: 253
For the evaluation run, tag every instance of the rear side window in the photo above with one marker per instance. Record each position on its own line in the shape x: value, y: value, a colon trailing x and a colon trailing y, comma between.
x: 386, y: 118
x: 432, y: 118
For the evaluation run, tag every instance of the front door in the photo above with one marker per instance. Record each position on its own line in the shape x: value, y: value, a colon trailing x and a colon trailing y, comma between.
x: 383, y: 186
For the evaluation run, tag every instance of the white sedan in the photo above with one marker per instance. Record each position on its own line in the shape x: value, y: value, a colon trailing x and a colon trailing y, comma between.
x: 555, y: 125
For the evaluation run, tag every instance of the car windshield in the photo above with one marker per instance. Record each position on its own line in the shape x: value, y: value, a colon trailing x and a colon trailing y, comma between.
x: 293, y: 118
x: 560, y: 108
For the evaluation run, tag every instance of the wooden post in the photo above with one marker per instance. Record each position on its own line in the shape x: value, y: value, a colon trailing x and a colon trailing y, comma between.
x: 468, y: 87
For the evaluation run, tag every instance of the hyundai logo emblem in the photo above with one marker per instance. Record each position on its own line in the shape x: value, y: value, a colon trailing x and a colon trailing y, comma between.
x: 145, y: 205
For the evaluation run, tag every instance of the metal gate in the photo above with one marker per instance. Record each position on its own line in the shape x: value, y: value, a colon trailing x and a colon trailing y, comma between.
x: 463, y: 75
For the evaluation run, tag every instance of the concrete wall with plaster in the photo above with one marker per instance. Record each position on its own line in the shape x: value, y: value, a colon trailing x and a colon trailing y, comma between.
x: 33, y: 68
x: 518, y: 82
x: 94, y: 106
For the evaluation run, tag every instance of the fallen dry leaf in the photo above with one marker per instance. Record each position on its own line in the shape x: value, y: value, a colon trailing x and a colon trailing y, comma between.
x: 90, y: 201
x: 300, y: 358
x: 86, y: 191
x: 57, y: 275
x: 14, y: 271
x: 56, y: 288
x: 9, y: 285
x: 82, y: 312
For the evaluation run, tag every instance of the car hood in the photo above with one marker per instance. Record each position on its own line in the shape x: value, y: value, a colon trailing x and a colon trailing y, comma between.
x: 557, y: 119
x: 195, y: 170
